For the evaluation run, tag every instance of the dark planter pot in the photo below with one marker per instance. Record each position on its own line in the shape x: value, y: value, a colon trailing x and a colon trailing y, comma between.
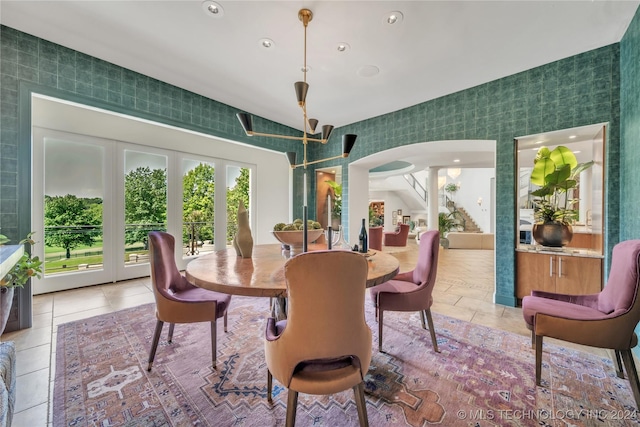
x: 6, y: 300
x: 552, y: 234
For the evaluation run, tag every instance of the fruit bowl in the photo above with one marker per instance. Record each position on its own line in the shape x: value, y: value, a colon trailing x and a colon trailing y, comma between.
x: 293, y: 238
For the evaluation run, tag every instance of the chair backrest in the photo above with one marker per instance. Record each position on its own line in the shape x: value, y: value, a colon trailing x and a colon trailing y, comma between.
x: 375, y: 238
x: 403, y: 230
x: 621, y: 292
x: 427, y: 267
x: 165, y: 277
x: 326, y: 291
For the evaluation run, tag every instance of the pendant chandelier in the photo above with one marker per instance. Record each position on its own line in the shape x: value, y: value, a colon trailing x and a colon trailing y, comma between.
x: 309, y: 126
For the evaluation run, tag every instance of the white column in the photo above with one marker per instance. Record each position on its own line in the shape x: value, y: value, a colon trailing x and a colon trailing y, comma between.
x: 432, y: 217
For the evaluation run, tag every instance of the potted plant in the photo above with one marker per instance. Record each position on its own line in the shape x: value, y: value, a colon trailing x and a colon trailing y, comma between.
x: 446, y: 223
x: 27, y: 267
x: 451, y: 188
x: 336, y: 212
x: 555, y: 172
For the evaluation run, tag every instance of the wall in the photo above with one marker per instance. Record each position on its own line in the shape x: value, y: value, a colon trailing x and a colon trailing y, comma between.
x: 629, y: 132
x: 32, y: 65
x: 475, y: 183
x: 576, y: 91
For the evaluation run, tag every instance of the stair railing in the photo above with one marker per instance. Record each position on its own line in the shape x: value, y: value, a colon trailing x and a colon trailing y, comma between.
x: 417, y: 187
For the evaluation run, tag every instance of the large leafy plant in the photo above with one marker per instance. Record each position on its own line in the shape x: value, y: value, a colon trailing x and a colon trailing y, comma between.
x: 446, y: 223
x: 337, y: 201
x: 555, y: 172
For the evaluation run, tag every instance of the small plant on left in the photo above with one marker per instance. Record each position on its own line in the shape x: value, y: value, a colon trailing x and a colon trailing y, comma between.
x: 27, y: 267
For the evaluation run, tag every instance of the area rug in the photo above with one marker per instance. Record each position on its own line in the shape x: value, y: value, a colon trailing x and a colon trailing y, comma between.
x: 481, y: 377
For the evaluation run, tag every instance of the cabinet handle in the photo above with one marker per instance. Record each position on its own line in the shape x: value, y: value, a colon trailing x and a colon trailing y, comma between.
x: 550, y: 266
x: 559, y: 266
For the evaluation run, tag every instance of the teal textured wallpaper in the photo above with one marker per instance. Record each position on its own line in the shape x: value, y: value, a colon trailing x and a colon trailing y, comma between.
x: 29, y: 64
x: 576, y: 91
x: 630, y: 131
x: 580, y: 90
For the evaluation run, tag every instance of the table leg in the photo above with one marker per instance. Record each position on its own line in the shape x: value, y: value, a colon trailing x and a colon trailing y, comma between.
x: 279, y: 308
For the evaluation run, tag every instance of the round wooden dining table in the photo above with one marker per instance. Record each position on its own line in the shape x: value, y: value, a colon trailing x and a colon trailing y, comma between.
x: 262, y: 275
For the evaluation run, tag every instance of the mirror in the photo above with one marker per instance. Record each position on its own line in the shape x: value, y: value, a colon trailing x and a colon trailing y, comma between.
x: 587, y: 143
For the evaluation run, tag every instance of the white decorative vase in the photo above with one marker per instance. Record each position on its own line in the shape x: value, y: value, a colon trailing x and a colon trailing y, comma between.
x: 243, y: 241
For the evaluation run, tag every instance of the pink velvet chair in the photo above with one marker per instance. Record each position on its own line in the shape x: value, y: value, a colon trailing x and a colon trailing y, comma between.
x: 411, y: 291
x: 375, y: 238
x: 398, y: 237
x: 324, y: 346
x: 605, y: 320
x: 177, y: 300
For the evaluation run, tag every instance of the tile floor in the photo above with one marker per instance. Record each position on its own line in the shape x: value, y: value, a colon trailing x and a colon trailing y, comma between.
x: 464, y: 290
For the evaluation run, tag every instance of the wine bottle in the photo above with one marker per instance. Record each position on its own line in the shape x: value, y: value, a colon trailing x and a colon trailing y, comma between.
x: 364, y: 246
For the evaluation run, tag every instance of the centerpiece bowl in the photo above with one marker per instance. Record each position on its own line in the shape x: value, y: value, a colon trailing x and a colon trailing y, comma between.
x: 293, y: 238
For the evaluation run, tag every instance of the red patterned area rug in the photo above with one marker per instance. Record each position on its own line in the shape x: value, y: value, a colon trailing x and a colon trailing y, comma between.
x: 482, y: 377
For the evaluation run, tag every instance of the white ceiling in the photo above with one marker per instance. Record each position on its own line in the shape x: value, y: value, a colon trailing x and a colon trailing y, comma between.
x: 440, y: 47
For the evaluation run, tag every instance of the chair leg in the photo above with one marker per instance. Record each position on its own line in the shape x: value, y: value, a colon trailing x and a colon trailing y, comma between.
x: 630, y: 366
x: 170, y: 338
x: 214, y: 347
x: 269, y: 386
x: 380, y: 313
x: 618, y: 361
x: 434, y: 340
x: 538, y: 358
x: 225, y: 322
x: 361, y: 404
x: 292, y: 404
x: 154, y: 343
x: 424, y: 326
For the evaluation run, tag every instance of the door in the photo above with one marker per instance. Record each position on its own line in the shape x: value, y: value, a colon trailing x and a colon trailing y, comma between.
x: 95, y: 200
x: 142, y: 178
x: 72, y: 205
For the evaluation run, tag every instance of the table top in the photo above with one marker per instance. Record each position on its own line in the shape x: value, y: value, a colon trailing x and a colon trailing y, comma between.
x: 262, y: 275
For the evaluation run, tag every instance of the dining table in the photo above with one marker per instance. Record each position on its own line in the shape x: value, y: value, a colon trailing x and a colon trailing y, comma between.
x: 262, y: 275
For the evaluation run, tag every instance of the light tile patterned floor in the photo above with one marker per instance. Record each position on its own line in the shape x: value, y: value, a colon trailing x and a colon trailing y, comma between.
x: 464, y: 290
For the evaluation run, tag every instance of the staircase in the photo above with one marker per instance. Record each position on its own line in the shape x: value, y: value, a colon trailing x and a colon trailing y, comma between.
x: 469, y: 225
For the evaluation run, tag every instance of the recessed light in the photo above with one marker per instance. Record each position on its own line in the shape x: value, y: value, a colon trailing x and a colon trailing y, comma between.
x: 394, y: 17
x: 573, y: 137
x: 212, y: 9
x: 577, y: 151
x: 267, y: 43
x: 343, y: 47
x: 456, y: 160
x: 539, y: 142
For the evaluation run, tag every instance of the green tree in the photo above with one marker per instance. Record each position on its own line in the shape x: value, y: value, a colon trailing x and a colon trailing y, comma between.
x: 145, y: 203
x: 198, y: 189
x: 70, y: 222
x: 240, y: 191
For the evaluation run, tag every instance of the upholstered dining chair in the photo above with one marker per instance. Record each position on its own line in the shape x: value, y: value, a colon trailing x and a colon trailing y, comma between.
x: 411, y: 290
x: 177, y: 300
x: 324, y: 345
x: 375, y: 238
x: 605, y: 320
x: 398, y: 237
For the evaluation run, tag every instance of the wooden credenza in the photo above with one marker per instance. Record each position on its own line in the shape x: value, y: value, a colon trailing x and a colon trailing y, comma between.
x: 565, y: 272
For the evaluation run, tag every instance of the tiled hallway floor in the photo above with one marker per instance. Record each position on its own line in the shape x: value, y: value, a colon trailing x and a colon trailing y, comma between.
x: 464, y: 290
